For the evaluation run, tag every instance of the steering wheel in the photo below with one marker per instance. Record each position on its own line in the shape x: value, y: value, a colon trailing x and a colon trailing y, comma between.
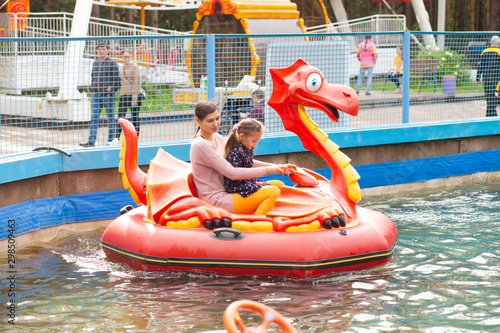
x: 232, y: 320
x: 302, y: 177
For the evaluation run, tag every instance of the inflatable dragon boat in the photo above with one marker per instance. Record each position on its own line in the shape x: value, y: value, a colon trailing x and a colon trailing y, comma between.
x: 316, y: 227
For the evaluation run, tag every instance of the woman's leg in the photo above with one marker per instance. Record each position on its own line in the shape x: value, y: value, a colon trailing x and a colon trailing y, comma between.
x: 360, y: 79
x: 134, y: 110
x: 260, y: 202
x: 123, y: 105
x: 369, y: 76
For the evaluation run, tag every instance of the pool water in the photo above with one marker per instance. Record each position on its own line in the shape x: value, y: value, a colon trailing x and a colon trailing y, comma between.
x: 444, y: 277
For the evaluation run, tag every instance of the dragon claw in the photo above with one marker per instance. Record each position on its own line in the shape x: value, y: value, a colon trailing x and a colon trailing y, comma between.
x: 226, y: 222
x: 331, y: 219
x: 342, y: 220
x: 188, y: 208
x: 327, y: 224
x: 335, y: 222
x: 208, y: 225
x: 217, y: 223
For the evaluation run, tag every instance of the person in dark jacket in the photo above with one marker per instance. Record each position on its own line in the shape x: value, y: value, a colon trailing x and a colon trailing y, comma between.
x: 105, y: 83
x: 489, y: 69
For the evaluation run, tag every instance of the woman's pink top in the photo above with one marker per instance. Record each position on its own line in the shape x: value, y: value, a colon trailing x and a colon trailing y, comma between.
x: 367, y: 53
x: 209, y: 169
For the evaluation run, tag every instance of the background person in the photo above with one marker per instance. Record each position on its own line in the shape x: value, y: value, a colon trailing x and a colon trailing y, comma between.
x: 257, y: 111
x: 130, y: 92
x: 249, y: 195
x: 489, y: 69
x: 367, y: 56
x: 397, y: 72
x: 208, y: 165
x: 105, y: 83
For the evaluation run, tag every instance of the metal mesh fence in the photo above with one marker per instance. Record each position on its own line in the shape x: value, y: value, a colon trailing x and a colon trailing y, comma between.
x: 46, y: 97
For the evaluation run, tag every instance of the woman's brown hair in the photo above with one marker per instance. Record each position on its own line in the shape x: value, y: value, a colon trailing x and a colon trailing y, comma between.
x: 203, y: 109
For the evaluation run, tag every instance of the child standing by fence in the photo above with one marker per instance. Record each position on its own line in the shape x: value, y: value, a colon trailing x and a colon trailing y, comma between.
x: 397, y: 72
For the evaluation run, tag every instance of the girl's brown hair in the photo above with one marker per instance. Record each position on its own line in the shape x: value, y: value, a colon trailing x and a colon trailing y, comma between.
x: 246, y: 127
x: 203, y: 109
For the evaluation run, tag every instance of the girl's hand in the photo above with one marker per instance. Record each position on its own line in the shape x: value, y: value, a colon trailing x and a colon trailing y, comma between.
x: 283, y: 169
x: 289, y: 167
x: 277, y: 168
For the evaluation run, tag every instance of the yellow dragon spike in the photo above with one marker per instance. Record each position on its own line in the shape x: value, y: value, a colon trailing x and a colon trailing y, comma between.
x: 350, y: 174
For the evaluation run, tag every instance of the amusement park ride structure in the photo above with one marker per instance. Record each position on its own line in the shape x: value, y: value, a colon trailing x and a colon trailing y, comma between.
x: 144, y: 5
x: 213, y: 17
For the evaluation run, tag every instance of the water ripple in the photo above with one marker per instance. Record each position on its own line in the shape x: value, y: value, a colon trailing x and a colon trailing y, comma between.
x: 444, y: 278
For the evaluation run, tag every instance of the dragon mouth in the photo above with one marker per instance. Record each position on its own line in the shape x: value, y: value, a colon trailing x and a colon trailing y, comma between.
x: 334, y: 112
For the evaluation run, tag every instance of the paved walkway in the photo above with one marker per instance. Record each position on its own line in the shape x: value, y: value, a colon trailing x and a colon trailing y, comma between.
x: 385, y: 108
x: 380, y: 108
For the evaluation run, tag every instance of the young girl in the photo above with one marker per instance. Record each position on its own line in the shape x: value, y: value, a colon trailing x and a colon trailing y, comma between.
x: 209, y: 167
x: 249, y: 194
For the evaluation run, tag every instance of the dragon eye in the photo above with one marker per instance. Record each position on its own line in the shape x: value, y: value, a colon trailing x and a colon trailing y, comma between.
x: 313, y: 82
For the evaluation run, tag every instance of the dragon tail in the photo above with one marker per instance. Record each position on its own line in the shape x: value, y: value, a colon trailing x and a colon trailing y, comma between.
x: 133, y: 178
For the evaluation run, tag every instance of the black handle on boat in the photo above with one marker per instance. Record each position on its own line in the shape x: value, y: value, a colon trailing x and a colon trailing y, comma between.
x: 126, y: 209
x: 53, y: 148
x: 236, y: 233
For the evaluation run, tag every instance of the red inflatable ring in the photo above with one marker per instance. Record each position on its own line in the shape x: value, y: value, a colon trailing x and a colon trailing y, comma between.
x: 233, y: 323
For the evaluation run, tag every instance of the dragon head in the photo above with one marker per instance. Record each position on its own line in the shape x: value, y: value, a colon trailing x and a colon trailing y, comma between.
x: 304, y: 85
x: 300, y: 86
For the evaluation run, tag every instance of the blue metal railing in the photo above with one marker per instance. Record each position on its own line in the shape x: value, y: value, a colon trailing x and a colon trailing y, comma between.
x: 171, y: 66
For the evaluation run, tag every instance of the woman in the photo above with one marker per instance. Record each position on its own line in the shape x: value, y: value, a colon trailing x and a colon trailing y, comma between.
x: 367, y: 56
x: 130, y: 90
x: 209, y: 166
